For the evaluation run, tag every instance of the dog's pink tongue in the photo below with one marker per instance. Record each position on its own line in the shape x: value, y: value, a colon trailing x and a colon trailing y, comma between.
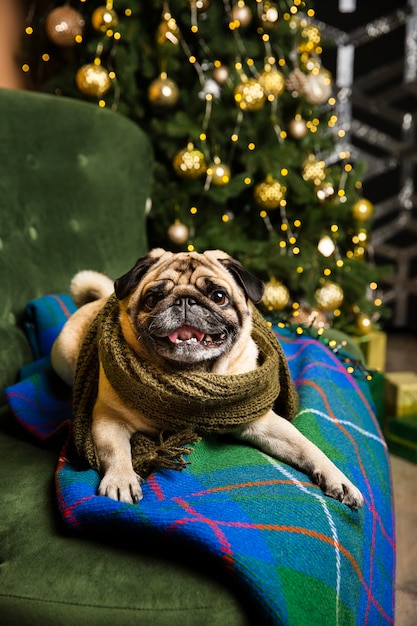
x: 186, y: 332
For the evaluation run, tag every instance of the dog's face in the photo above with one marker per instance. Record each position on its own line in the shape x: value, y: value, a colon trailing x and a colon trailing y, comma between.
x: 187, y: 308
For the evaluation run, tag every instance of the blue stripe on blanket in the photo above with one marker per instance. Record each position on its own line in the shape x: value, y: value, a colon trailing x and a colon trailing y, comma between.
x: 302, y: 556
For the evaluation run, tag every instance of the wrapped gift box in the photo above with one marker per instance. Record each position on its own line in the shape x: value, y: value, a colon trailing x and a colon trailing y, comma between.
x: 374, y: 348
x: 400, y: 394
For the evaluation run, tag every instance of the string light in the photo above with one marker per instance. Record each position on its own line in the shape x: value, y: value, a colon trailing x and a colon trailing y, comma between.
x: 353, y: 366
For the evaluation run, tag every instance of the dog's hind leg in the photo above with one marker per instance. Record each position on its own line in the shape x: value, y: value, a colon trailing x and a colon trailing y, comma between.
x: 280, y: 439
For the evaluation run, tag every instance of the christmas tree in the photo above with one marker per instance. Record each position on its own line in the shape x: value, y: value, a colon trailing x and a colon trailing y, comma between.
x: 242, y: 118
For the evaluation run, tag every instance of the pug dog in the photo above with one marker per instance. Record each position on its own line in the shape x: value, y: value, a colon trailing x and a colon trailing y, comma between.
x: 194, y: 311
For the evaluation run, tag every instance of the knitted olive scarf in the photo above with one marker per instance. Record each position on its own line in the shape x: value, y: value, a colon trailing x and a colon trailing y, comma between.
x: 183, y: 403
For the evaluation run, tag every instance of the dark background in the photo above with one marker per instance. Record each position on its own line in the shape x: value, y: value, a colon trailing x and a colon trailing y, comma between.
x: 378, y: 89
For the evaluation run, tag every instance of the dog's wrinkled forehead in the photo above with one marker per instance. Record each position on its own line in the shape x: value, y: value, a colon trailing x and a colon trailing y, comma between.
x: 185, y: 268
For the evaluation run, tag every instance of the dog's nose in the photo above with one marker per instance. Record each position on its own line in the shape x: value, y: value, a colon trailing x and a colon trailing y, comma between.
x: 185, y: 301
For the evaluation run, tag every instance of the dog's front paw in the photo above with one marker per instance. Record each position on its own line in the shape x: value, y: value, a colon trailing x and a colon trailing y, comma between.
x: 337, y: 486
x: 123, y: 487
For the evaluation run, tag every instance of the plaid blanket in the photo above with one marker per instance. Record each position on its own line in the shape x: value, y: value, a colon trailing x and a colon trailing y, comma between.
x: 303, y: 557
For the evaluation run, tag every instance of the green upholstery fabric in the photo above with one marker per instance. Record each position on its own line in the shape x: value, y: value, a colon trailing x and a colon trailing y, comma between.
x: 73, y: 186
x: 51, y: 577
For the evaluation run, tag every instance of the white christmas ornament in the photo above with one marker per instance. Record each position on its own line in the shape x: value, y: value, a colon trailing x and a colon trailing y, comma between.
x: 210, y: 87
x: 318, y: 87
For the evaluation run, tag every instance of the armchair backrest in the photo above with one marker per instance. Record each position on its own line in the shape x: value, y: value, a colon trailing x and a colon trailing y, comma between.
x: 74, y: 180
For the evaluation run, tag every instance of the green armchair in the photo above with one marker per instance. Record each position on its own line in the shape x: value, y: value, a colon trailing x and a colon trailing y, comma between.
x: 73, y: 187
x: 74, y: 181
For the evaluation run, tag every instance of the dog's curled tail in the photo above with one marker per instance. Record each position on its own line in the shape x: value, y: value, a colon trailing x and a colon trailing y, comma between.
x: 88, y: 285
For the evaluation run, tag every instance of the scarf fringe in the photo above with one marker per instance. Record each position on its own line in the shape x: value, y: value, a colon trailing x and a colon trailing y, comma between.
x: 166, y: 452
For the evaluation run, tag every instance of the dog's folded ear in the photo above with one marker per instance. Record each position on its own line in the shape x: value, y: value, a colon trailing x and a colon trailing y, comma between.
x: 252, y: 286
x: 124, y: 285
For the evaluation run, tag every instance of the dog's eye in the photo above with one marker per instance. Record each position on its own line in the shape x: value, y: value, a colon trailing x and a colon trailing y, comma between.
x: 151, y: 299
x: 219, y: 297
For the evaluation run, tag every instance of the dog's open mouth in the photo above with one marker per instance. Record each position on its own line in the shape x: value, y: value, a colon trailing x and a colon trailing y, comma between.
x: 189, y: 334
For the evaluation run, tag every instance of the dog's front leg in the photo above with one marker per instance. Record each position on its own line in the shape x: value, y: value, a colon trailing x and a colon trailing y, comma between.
x: 279, y: 438
x: 112, y: 440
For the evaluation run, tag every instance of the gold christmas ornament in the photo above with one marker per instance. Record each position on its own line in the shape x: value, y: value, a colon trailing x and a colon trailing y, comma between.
x: 314, y: 170
x: 218, y: 172
x: 329, y: 296
x: 189, y: 162
x: 163, y: 92
x: 249, y: 95
x: 241, y: 14
x: 64, y: 25
x: 362, y: 210
x: 364, y: 324
x: 272, y: 82
x: 178, y: 232
x: 104, y: 19
x: 93, y: 80
x: 269, y: 193
x: 270, y: 16
x: 221, y: 74
x: 276, y: 295
x: 297, y: 128
x: 311, y: 39
x: 318, y: 87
